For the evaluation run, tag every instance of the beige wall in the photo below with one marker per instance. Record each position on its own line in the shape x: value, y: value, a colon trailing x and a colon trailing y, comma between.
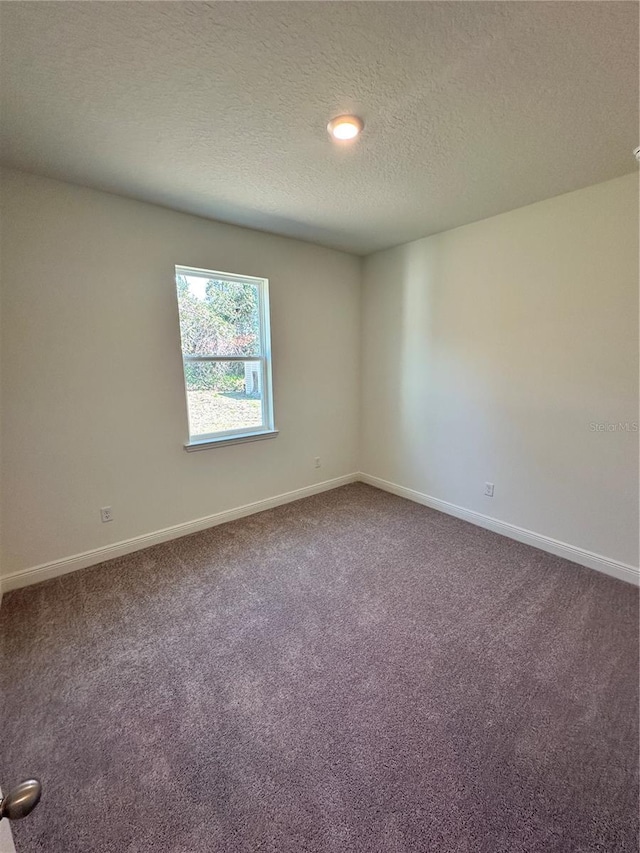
x: 489, y: 350
x: 93, y: 409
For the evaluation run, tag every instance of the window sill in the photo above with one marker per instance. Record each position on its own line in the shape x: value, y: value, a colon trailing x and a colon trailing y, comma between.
x: 206, y: 443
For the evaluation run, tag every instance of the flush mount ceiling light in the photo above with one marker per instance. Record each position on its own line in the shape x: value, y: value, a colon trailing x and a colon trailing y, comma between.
x: 343, y: 128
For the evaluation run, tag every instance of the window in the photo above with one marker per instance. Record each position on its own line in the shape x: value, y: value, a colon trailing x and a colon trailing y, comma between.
x: 226, y: 354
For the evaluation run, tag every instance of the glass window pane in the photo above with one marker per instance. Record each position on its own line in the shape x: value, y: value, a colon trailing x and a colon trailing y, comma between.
x: 218, y: 317
x: 224, y: 395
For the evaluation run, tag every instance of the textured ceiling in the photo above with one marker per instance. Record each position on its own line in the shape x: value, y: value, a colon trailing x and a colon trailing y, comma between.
x: 220, y: 109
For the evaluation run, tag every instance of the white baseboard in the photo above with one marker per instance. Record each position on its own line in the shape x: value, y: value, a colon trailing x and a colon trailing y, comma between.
x: 608, y: 566
x: 26, y: 577
x: 615, y: 568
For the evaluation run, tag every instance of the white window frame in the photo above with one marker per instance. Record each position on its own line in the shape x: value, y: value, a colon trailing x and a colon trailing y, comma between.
x: 267, y: 428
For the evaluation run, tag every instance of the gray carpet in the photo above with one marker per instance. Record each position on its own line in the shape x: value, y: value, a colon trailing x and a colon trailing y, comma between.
x: 352, y: 672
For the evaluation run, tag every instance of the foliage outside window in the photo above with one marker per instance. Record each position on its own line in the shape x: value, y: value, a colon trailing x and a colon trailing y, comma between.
x: 224, y: 327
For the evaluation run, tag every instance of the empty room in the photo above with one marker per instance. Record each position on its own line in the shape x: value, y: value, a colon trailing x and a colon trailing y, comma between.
x: 319, y: 427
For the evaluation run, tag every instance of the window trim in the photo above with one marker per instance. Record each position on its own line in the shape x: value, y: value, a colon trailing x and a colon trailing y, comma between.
x: 267, y: 428
x: 206, y: 443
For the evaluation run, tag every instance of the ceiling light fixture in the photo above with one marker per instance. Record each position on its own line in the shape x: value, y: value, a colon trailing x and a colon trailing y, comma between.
x: 344, y: 128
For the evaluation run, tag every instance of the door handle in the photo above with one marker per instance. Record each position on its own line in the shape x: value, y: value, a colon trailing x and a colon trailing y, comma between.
x: 21, y: 801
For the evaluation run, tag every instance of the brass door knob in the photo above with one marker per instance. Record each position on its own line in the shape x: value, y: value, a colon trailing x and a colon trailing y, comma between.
x: 21, y: 801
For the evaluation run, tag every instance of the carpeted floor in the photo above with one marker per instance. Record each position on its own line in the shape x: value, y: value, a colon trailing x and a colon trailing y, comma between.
x: 351, y: 673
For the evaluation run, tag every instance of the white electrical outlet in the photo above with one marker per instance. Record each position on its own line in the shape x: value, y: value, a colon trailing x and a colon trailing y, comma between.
x: 488, y: 489
x: 317, y: 461
x: 106, y: 514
